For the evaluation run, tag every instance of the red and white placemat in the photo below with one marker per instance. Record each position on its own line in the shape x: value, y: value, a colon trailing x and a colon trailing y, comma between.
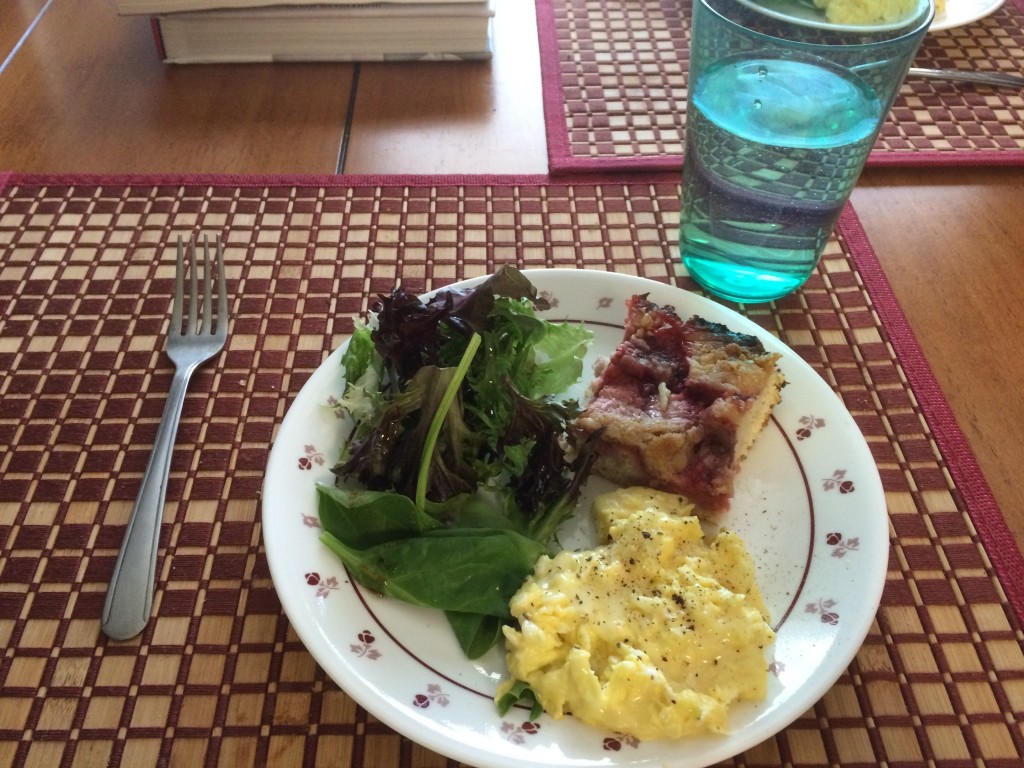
x: 615, y: 83
x: 219, y: 677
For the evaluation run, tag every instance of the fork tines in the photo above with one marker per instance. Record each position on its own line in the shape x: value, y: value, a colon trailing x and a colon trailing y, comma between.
x: 207, y: 323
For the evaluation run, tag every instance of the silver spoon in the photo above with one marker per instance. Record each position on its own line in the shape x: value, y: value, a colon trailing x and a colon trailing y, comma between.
x: 994, y: 79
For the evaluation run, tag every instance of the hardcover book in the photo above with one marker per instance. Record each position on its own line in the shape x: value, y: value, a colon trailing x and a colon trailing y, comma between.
x: 378, y: 32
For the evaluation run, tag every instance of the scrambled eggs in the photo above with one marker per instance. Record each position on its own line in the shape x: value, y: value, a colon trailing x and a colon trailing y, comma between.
x: 653, y: 634
x: 865, y: 11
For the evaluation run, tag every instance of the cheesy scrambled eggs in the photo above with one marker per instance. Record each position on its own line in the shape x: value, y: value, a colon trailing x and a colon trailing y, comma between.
x: 653, y: 634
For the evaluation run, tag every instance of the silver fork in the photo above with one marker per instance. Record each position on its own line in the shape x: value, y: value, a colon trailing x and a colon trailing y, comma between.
x: 130, y: 594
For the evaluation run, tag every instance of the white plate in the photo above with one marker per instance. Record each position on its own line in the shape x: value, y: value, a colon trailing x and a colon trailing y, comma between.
x: 806, y: 13
x: 809, y: 504
x: 961, y: 12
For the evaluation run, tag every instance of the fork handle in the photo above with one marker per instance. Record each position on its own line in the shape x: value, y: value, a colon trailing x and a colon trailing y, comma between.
x: 129, y: 600
x: 994, y: 79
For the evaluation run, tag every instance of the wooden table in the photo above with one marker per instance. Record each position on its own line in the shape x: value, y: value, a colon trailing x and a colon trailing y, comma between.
x: 221, y: 677
x: 81, y: 90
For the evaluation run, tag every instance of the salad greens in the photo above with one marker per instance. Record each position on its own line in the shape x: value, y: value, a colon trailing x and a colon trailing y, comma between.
x: 460, y: 464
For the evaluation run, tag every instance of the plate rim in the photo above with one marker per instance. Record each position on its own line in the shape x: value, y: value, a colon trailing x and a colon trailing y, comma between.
x: 943, y: 22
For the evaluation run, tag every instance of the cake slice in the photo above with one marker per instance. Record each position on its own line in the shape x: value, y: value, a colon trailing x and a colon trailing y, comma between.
x: 679, y: 404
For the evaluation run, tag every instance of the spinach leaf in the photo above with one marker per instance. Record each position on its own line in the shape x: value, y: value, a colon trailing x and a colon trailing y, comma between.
x: 471, y: 571
x: 362, y: 519
x: 476, y: 633
x: 520, y: 692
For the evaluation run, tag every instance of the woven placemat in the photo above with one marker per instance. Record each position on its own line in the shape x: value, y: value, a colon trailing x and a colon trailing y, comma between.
x: 219, y: 677
x: 615, y: 83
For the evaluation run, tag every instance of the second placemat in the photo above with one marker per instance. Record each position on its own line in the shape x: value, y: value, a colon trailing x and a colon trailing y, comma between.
x: 615, y: 85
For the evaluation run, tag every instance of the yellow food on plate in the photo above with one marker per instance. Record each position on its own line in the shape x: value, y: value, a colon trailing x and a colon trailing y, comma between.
x: 866, y: 11
x: 653, y: 634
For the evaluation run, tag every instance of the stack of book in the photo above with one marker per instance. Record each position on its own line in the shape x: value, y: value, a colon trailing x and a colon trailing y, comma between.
x: 224, y: 31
